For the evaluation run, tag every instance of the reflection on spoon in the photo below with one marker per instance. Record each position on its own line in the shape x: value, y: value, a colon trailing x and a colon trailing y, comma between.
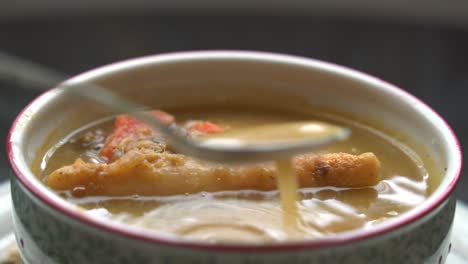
x: 278, y: 133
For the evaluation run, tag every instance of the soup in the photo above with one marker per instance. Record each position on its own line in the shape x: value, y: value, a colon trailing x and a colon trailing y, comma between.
x: 121, y: 169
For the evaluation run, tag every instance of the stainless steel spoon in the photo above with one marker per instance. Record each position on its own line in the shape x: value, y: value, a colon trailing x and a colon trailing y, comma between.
x: 224, y: 151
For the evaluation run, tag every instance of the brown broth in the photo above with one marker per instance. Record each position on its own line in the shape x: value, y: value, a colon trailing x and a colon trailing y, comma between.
x: 288, y: 186
x: 259, y: 217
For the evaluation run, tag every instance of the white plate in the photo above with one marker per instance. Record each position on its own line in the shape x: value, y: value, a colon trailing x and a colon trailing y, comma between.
x: 458, y: 255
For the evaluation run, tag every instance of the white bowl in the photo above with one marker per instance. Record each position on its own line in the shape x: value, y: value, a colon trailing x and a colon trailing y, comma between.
x: 54, y: 231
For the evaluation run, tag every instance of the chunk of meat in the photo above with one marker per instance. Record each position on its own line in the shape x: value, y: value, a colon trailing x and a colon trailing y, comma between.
x: 142, y: 166
x: 338, y: 169
x: 128, y: 128
x: 146, y: 172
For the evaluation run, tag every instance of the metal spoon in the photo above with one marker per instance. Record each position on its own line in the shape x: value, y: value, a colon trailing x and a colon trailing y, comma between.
x: 13, y: 68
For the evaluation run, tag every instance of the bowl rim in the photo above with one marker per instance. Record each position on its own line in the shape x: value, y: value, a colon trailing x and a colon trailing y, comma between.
x: 23, y: 173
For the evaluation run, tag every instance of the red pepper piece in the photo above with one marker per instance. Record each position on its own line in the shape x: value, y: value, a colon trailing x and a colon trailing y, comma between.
x: 206, y: 127
x: 126, y: 126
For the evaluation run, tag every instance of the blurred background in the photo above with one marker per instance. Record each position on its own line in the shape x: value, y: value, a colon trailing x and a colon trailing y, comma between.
x: 421, y: 46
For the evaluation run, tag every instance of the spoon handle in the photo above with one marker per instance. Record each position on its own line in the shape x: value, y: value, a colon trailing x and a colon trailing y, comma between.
x: 13, y: 68
x: 35, y: 75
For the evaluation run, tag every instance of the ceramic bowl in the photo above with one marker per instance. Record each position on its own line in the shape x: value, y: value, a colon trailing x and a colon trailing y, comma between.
x: 50, y: 230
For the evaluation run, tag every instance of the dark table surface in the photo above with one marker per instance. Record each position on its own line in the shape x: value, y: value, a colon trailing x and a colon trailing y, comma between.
x: 430, y: 62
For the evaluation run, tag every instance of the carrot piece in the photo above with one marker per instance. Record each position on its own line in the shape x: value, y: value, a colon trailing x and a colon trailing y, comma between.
x: 206, y: 127
x: 126, y: 126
